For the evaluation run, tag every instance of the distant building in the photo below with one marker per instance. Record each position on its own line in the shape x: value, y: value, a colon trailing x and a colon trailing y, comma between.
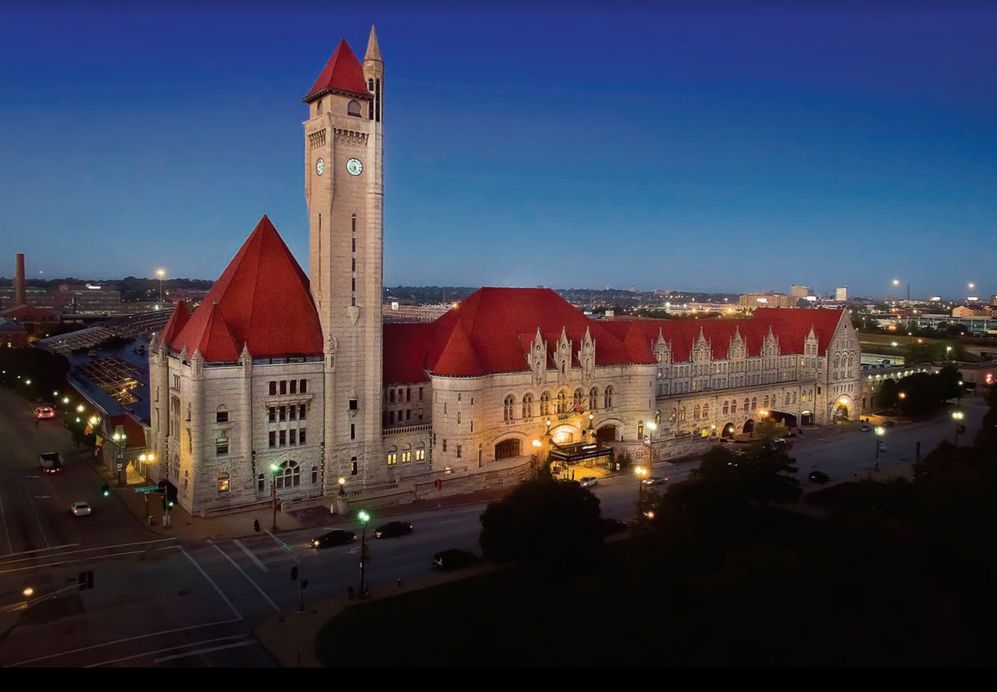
x: 963, y: 311
x: 841, y: 294
x: 88, y: 299
x: 12, y: 334
x: 767, y: 300
x: 800, y: 291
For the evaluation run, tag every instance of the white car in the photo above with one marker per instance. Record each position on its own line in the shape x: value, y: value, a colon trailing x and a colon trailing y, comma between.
x: 80, y: 509
x: 589, y: 481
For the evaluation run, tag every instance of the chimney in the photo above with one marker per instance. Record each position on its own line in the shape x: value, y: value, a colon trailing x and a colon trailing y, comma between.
x: 19, y: 298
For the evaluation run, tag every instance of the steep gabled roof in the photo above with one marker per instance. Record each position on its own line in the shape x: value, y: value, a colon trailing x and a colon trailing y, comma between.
x: 261, y: 300
x: 178, y: 318
x: 458, y: 358
x: 342, y: 73
x: 792, y: 326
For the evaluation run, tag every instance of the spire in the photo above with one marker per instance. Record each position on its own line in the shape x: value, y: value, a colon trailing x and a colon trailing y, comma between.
x: 341, y: 74
x: 373, y: 50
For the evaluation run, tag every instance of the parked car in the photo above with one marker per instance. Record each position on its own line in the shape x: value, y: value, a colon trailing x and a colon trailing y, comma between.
x: 50, y: 462
x: 333, y: 538
x: 610, y: 526
x: 589, y: 481
x: 865, y: 428
x: 819, y: 477
x: 393, y: 529
x: 655, y: 480
x: 44, y: 412
x: 779, y: 441
x: 454, y: 558
x: 80, y: 509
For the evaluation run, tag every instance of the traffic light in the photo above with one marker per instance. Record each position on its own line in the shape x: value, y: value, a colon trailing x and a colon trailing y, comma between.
x: 105, y: 490
x: 294, y: 573
x: 85, y: 580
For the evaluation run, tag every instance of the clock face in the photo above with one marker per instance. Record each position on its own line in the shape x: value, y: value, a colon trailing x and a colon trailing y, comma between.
x: 320, y: 166
x: 354, y: 167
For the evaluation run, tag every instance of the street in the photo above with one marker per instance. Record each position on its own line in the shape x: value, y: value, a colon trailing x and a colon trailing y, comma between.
x: 160, y: 601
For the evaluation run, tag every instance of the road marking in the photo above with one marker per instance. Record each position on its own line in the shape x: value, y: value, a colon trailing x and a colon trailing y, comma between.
x: 40, y: 550
x: 126, y: 639
x: 37, y: 518
x: 248, y: 642
x: 69, y: 562
x: 251, y: 555
x: 81, y: 550
x: 3, y: 516
x: 250, y: 579
x: 162, y: 651
x: 212, y: 582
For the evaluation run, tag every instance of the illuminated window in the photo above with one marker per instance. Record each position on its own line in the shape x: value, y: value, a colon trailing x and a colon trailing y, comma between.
x: 221, y: 446
x: 223, y: 482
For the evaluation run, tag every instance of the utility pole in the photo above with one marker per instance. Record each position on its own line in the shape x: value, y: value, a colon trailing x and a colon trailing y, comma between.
x: 364, y: 519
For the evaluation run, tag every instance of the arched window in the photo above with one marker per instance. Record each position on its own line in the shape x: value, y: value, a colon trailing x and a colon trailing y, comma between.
x: 765, y: 403
x: 673, y: 415
x: 706, y: 410
x: 510, y: 401
x: 593, y: 398
x: 261, y: 482
x: 577, y: 400
x: 754, y: 403
x: 562, y: 402
x: 314, y: 474
x: 221, y: 414
x: 607, y: 397
x: 527, y: 407
x: 794, y: 397
x: 289, y: 475
x: 223, y: 482
x: 353, y: 108
x: 682, y: 413
x: 695, y: 412
x: 726, y: 408
x: 545, y: 404
x: 733, y: 406
x: 354, y: 466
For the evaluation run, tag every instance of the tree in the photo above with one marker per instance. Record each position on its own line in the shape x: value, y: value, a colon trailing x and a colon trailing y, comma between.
x: 552, y: 524
x: 888, y: 393
x: 760, y: 475
x: 947, y: 383
x: 768, y: 429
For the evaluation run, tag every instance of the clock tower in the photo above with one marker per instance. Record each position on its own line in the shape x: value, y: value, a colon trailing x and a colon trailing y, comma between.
x: 345, y: 194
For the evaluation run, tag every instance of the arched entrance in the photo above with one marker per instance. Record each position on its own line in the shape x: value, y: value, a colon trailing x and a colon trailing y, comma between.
x: 728, y: 430
x: 749, y: 426
x: 508, y: 448
x: 806, y: 418
x: 606, y: 433
x: 842, y: 409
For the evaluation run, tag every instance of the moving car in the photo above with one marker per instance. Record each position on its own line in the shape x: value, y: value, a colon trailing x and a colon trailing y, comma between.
x: 44, y: 412
x: 655, y: 480
x: 610, y: 526
x: 819, y: 477
x: 50, y: 462
x: 333, y: 538
x: 80, y: 509
x: 889, y: 423
x: 454, y: 558
x: 393, y: 529
x: 589, y: 481
x: 865, y: 428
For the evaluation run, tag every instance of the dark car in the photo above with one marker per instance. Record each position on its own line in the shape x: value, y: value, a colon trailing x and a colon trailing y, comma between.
x: 393, y: 529
x: 50, y: 462
x: 454, y: 559
x: 888, y: 423
x: 336, y: 537
x: 610, y: 526
x: 818, y: 477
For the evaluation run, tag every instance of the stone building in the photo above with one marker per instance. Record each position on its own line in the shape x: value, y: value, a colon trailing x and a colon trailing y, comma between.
x: 282, y: 385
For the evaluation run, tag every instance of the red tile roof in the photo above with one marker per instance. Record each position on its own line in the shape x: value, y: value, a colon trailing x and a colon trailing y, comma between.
x: 178, y: 318
x: 342, y: 73
x: 261, y: 300
x: 492, y: 331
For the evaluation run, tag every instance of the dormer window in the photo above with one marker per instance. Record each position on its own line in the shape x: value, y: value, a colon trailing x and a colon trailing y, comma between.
x: 353, y: 108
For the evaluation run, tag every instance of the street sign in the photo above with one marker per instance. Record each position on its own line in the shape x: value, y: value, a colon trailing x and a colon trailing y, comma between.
x: 147, y: 489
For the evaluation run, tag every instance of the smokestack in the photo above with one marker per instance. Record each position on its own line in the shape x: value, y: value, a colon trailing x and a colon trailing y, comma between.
x: 19, y: 298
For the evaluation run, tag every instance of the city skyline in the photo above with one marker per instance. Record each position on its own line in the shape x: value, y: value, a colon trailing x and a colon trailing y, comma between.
x: 752, y: 136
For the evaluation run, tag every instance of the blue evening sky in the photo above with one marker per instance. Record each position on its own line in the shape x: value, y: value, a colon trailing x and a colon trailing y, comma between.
x: 587, y: 145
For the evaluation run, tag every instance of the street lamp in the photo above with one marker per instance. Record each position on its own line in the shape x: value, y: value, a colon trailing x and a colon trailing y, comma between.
x: 160, y: 273
x: 641, y: 472
x: 880, y: 431
x: 650, y: 426
x: 957, y: 416
x: 364, y: 519
x: 948, y: 350
x: 274, y: 468
x: 342, y: 486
